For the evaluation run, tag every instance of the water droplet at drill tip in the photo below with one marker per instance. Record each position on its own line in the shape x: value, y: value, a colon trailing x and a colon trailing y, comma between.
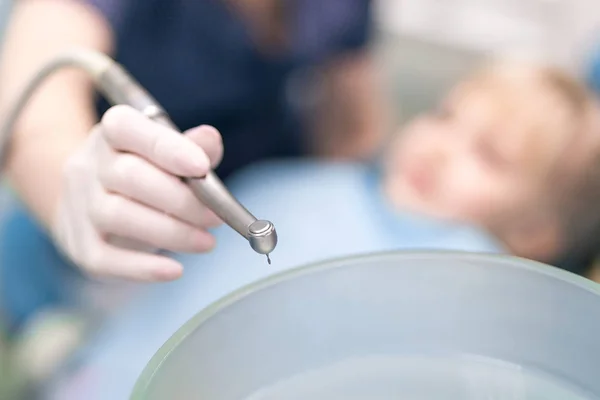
x: 268, y: 259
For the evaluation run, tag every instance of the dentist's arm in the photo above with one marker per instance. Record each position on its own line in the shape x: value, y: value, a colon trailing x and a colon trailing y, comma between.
x: 61, y: 112
x: 115, y: 182
x: 351, y: 118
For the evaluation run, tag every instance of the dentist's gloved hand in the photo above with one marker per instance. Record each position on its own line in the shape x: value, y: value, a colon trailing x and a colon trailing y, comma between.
x: 121, y: 199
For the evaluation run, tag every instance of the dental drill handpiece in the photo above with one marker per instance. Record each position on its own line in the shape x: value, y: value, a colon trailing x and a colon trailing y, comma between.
x: 120, y: 88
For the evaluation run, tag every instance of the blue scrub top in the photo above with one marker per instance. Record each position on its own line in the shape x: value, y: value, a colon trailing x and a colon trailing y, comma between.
x: 197, y: 59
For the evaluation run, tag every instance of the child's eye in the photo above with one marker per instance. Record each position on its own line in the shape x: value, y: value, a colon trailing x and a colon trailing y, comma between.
x: 491, y: 156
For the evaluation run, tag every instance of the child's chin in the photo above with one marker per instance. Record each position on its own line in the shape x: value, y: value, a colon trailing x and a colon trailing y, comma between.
x: 408, y: 196
x: 405, y: 197
x: 429, y: 209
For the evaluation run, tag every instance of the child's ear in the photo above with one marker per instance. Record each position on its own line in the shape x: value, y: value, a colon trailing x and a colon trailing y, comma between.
x: 538, y: 237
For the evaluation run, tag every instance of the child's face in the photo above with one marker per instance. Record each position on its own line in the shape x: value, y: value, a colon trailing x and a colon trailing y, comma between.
x: 482, y: 157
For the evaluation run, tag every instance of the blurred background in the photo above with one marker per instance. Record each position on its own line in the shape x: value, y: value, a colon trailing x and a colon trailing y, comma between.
x: 424, y: 46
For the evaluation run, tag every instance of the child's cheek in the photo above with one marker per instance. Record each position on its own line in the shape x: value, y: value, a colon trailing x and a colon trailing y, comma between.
x: 476, y: 195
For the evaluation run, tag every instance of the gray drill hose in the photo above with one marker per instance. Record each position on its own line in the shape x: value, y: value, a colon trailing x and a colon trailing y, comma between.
x: 93, y: 63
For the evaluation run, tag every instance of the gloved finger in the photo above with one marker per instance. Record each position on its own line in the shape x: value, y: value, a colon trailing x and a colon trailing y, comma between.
x: 116, y: 215
x: 129, y: 244
x: 210, y: 140
x: 135, y: 178
x: 126, y: 129
x: 110, y: 261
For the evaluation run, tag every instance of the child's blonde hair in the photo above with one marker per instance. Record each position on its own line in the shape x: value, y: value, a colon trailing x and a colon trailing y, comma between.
x: 576, y: 185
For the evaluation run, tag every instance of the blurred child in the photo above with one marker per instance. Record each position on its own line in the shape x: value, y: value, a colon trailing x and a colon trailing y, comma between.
x: 505, y: 164
x: 513, y: 149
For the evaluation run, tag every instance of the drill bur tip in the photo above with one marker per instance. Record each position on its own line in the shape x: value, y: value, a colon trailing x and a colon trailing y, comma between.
x: 268, y: 259
x: 262, y: 236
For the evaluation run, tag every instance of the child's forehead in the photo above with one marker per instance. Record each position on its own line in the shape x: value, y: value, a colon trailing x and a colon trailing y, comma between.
x: 518, y: 112
x: 523, y: 100
x: 505, y: 97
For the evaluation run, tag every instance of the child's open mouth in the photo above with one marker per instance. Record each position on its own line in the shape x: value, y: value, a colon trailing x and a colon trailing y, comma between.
x: 420, y: 180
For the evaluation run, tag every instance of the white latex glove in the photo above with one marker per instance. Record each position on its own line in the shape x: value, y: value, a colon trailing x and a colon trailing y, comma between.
x: 121, y: 186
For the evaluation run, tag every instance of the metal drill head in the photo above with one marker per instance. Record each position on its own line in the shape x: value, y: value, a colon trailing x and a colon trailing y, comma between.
x: 262, y: 236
